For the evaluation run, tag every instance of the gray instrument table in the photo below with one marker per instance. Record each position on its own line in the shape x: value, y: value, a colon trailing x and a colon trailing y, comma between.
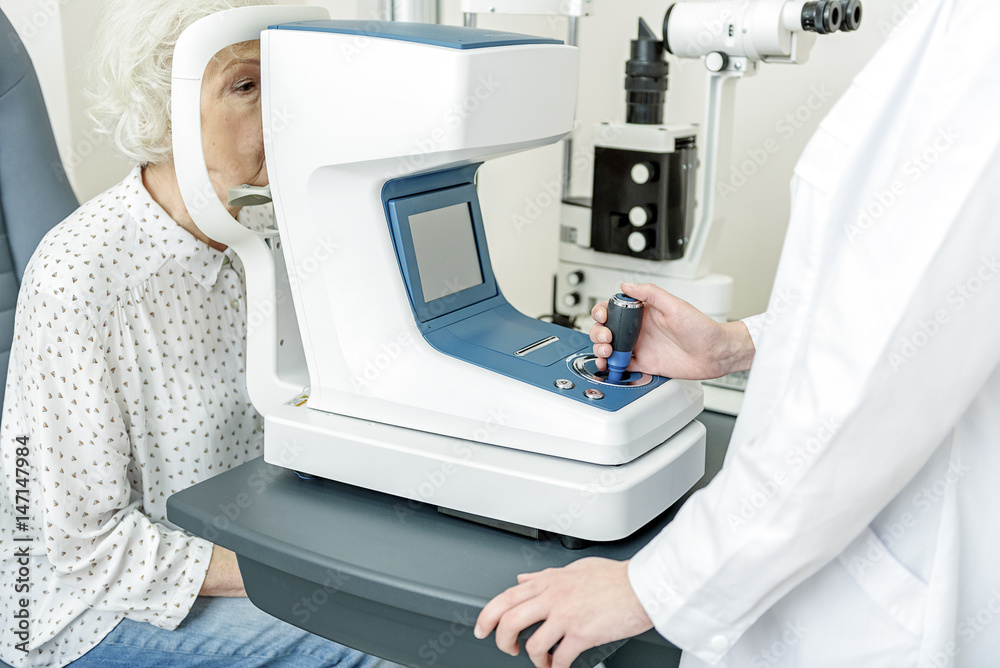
x: 387, y: 576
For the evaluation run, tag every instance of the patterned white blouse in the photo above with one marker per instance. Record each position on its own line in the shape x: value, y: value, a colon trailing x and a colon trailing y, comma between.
x: 126, y: 384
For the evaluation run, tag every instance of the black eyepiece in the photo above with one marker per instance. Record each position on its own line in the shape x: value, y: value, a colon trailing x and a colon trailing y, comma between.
x: 852, y: 13
x: 646, y: 78
x: 822, y: 16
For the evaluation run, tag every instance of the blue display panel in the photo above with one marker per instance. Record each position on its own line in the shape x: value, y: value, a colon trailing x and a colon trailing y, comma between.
x: 440, y: 239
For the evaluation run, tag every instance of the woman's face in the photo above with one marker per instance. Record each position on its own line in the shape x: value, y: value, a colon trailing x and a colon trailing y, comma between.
x: 231, y: 118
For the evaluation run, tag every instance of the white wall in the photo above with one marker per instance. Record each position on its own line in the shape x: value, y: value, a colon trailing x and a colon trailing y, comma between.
x: 57, y: 35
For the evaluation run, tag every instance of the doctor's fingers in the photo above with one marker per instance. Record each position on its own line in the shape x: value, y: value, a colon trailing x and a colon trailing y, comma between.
x: 653, y: 296
x: 501, y: 604
x: 542, y: 640
x: 571, y: 647
x: 517, y: 619
x: 600, y: 312
x: 602, y: 351
x: 600, y: 334
x: 526, y: 577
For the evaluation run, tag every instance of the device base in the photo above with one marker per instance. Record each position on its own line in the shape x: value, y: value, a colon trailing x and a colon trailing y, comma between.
x: 561, y: 496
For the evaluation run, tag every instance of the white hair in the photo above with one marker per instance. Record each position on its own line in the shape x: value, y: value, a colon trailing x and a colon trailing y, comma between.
x: 129, y: 79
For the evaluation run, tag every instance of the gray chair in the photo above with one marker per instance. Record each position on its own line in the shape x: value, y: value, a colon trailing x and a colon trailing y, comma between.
x: 34, y: 191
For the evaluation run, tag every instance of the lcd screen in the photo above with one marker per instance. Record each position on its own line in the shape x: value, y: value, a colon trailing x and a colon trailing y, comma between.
x: 445, y: 246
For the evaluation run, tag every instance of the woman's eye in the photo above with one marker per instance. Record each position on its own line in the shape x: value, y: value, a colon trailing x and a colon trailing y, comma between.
x: 245, y: 86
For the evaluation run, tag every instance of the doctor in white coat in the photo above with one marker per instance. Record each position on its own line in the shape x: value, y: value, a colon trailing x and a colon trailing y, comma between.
x: 856, y: 521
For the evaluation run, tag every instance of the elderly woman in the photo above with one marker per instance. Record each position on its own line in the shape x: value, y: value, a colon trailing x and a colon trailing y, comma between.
x: 126, y: 384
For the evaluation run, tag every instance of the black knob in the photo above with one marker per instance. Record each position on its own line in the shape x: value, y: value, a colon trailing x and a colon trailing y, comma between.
x: 822, y: 16
x: 852, y: 13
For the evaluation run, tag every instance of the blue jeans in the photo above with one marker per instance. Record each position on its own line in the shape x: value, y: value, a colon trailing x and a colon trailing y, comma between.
x: 222, y: 632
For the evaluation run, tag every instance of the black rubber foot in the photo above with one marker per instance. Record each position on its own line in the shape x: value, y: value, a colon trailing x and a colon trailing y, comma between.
x: 571, y: 543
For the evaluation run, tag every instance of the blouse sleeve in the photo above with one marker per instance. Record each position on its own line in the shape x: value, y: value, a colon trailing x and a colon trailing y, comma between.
x: 97, y: 537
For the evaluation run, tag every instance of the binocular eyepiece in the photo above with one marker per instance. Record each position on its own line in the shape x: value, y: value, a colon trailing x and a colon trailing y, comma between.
x: 828, y: 16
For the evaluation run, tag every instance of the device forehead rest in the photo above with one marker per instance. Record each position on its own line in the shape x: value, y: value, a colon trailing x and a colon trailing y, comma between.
x: 206, y: 37
x: 195, y: 48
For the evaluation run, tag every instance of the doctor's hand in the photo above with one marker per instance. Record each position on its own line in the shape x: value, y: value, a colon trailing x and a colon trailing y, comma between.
x: 586, y: 604
x: 677, y: 340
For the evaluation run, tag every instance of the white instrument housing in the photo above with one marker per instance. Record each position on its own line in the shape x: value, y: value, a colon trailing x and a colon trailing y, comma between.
x: 347, y: 114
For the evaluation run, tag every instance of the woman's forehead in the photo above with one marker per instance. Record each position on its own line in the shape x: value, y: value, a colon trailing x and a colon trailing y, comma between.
x: 243, y: 51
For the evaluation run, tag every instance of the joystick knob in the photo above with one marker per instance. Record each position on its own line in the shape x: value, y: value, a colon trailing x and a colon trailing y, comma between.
x: 625, y: 322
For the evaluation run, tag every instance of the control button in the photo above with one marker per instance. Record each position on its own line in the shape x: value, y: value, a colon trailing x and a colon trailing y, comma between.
x: 574, y: 278
x: 637, y: 242
x: 716, y: 61
x: 571, y: 299
x: 593, y: 395
x: 638, y: 216
x: 720, y: 644
x: 641, y: 173
x: 564, y: 384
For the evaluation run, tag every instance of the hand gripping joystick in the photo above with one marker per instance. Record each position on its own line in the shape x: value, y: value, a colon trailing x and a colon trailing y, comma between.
x: 624, y: 321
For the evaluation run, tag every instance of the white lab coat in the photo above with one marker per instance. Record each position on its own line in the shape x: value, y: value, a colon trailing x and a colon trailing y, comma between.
x: 857, y: 519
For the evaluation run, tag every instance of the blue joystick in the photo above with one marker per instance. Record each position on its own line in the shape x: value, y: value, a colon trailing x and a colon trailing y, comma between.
x: 625, y: 322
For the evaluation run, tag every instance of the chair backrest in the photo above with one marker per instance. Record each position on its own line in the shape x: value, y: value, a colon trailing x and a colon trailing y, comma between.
x: 34, y: 191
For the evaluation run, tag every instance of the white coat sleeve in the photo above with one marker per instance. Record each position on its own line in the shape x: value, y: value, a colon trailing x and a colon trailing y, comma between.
x: 96, y: 536
x: 899, y: 338
x: 755, y: 325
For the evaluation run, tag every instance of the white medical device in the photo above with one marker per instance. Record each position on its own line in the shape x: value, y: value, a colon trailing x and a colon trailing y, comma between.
x: 642, y: 223
x: 403, y: 369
